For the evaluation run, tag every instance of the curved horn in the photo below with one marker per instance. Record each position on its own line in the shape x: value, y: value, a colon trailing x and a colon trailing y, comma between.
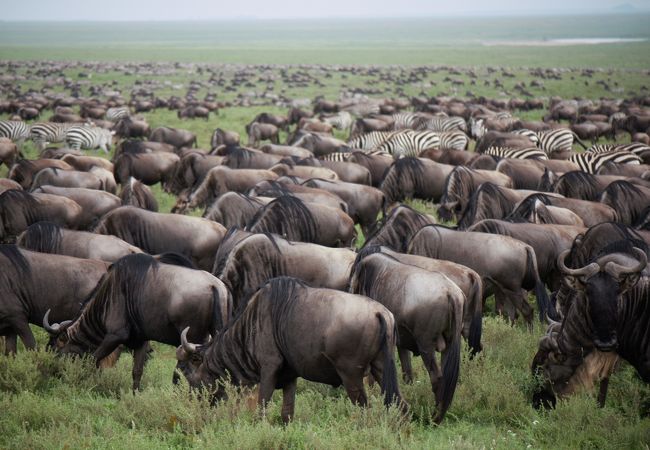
x: 616, y: 270
x: 587, y: 270
x: 187, y: 346
x: 551, y: 321
x: 54, y: 328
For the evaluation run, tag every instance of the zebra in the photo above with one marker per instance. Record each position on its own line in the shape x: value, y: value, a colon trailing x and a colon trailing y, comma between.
x: 635, y: 148
x: 441, y: 124
x: 15, y: 130
x: 454, y: 140
x: 407, y: 120
x: 336, y: 156
x: 530, y: 134
x: 557, y: 141
x: 410, y: 143
x: 590, y: 162
x: 89, y: 138
x: 44, y: 133
x: 515, y: 153
x: 340, y: 121
x: 116, y: 113
x: 369, y: 141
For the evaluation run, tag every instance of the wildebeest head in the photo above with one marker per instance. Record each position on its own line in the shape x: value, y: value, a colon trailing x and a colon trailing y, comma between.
x: 599, y: 285
x: 59, y: 336
x: 191, y: 362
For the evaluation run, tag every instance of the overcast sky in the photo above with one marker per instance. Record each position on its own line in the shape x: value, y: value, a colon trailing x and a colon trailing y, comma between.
x: 110, y: 10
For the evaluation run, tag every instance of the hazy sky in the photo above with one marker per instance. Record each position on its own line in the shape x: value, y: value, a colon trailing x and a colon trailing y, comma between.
x: 110, y: 10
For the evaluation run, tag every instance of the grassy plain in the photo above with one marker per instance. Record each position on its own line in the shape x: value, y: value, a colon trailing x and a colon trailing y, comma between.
x: 50, y: 402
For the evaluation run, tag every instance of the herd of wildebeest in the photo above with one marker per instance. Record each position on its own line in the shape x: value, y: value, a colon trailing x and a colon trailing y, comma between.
x: 268, y: 285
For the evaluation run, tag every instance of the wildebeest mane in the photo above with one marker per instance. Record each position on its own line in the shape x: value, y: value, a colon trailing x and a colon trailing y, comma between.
x: 236, y: 157
x: 527, y: 207
x: 274, y: 189
x: 16, y: 201
x: 135, y: 193
x: 643, y: 221
x: 286, y: 216
x: 19, y: 169
x: 603, y: 239
x: 404, y: 169
x: 577, y: 184
x: 500, y: 205
x: 492, y: 226
x: 282, y: 295
x: 18, y: 261
x: 175, y: 259
x: 622, y: 196
x: 395, y: 230
x: 44, y: 237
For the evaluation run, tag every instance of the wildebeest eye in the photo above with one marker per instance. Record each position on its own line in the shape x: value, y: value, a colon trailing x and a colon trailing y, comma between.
x: 575, y: 283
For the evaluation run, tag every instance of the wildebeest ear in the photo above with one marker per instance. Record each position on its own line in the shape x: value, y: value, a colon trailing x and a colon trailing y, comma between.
x: 629, y: 281
x: 575, y: 283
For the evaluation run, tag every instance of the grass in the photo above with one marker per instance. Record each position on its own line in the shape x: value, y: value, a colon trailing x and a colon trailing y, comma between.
x: 51, y: 402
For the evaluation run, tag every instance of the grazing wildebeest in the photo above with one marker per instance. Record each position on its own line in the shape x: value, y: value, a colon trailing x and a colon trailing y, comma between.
x: 94, y: 203
x: 244, y: 158
x: 52, y: 176
x: 397, y: 228
x: 86, y: 163
x: 218, y: 181
x: 20, y: 209
x: 261, y: 132
x: 234, y: 209
x: 141, y: 300
x: 148, y: 168
x: 376, y: 162
x: 156, y: 233
x: 591, y: 213
x: 47, y: 237
x: 6, y: 184
x: 173, y: 136
x: 24, y: 170
x: 128, y: 127
x: 507, y: 266
x: 289, y: 330
x: 364, y: 202
x: 461, y: 183
x: 428, y: 309
x: 605, y: 296
x: 286, y: 186
x: 31, y: 283
x: 191, y: 170
x: 290, y: 217
x: 8, y: 152
x: 223, y: 137
x: 291, y: 169
x: 582, y: 185
x: 286, y: 150
x: 415, y: 177
x: 138, y: 146
x: 138, y: 194
x: 192, y: 112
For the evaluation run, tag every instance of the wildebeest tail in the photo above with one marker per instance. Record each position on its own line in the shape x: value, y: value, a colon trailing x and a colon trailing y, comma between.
x: 532, y: 277
x: 475, y: 299
x: 577, y: 139
x: 217, y: 314
x: 389, y: 384
x: 44, y: 237
x: 450, y: 363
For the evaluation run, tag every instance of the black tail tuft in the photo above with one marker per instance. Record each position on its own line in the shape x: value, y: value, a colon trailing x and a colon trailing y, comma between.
x: 389, y: 384
x: 475, y: 332
x: 450, y: 371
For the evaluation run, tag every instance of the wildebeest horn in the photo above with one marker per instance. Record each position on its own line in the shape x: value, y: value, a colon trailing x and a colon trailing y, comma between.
x: 55, y: 327
x: 187, y: 346
x: 616, y: 270
x: 587, y: 270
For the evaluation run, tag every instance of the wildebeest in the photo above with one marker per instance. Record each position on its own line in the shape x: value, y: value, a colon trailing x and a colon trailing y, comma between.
x: 141, y: 300
x: 86, y: 163
x: 287, y: 186
x: 223, y: 137
x: 94, y: 203
x: 364, y: 202
x: 591, y: 213
x: 244, y: 158
x: 173, y: 136
x: 241, y: 269
x: 604, y: 302
x: 289, y: 330
x: 191, y: 170
x: 138, y: 194
x: 156, y: 233
x: 52, y: 176
x: 6, y: 184
x: 377, y: 164
x: 32, y: 282
x: 129, y: 127
x: 148, y: 168
x: 628, y: 200
x: 234, y: 209
x: 415, y: 177
x: 397, y: 228
x: 218, y: 181
x: 507, y: 266
x: 192, y: 112
x: 296, y: 220
x: 8, y: 152
x: 47, y: 237
x: 428, y: 309
x: 20, y: 209
x: 303, y: 170
x: 261, y: 132
x: 24, y: 170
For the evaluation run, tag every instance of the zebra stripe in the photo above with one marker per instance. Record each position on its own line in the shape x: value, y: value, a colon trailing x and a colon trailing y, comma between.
x: 534, y: 138
x: 15, y: 130
x: 336, y: 156
x: 516, y: 153
x: 590, y: 162
x: 369, y: 141
x: 341, y: 121
x: 406, y: 120
x: 556, y: 141
x: 454, y: 140
x: 45, y: 133
x: 410, y: 143
x: 441, y: 124
x: 117, y: 113
x: 88, y: 138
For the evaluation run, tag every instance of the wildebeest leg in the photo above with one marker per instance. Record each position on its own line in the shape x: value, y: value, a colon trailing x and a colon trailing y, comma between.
x: 11, y: 344
x: 602, y: 394
x: 429, y: 360
x: 405, y: 361
x: 504, y: 306
x: 108, y: 345
x: 140, y: 356
x: 520, y: 301
x: 268, y: 380
x: 353, y: 383
x: 26, y: 335
x: 288, y: 401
